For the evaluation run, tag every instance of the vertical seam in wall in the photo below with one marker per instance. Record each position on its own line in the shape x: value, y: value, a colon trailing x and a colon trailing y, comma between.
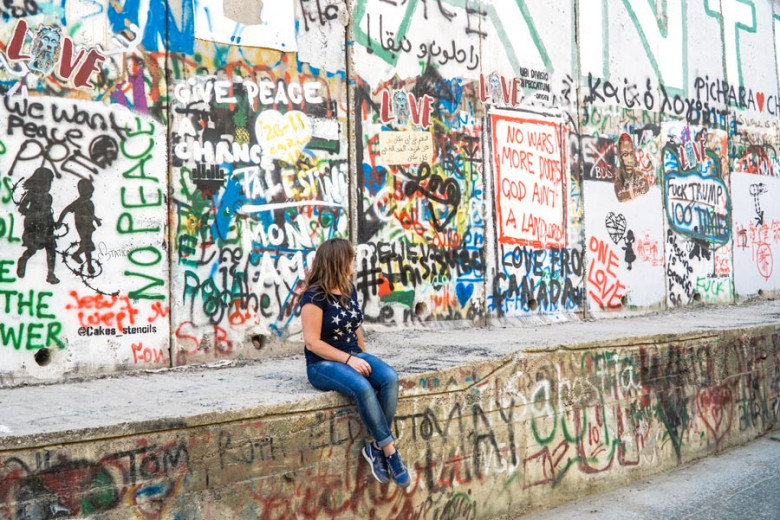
x: 726, y: 169
x: 777, y: 91
x: 352, y: 139
x: 484, y: 184
x: 580, y: 160
x: 662, y: 179
x: 169, y: 172
x: 487, y: 181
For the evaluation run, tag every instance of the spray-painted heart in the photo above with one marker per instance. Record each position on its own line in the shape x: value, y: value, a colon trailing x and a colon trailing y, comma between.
x: 716, y: 408
x: 760, y: 99
x: 283, y: 136
x: 464, y: 292
x: 616, y: 226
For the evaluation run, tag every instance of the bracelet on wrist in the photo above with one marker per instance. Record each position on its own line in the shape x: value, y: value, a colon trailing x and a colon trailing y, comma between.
x: 348, y: 358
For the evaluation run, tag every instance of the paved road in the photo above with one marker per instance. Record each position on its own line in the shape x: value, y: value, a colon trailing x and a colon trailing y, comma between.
x: 742, y: 483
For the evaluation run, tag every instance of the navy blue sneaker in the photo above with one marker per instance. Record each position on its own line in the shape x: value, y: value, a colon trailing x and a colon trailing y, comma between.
x: 377, y: 461
x: 397, y: 470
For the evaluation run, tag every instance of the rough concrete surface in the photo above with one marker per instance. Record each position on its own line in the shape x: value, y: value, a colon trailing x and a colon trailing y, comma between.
x: 136, y: 401
x: 740, y: 483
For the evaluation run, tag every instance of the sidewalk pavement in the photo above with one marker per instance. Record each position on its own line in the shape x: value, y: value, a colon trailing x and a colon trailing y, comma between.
x: 742, y: 483
x: 131, y: 403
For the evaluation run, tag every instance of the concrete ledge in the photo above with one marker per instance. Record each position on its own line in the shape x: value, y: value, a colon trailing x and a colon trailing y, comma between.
x: 534, y: 424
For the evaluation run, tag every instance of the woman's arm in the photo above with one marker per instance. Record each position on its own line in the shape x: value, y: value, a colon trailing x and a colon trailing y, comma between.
x: 361, y: 343
x: 311, y: 319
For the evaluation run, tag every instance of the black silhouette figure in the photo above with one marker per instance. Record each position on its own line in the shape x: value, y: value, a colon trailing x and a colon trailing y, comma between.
x: 84, y: 214
x: 629, y: 249
x: 38, y: 222
x: 699, y: 249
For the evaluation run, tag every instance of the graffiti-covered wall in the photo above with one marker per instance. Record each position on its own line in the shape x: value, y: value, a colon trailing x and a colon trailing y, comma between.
x: 492, y: 439
x: 169, y: 168
x: 259, y: 178
x: 620, y: 174
x: 85, y: 262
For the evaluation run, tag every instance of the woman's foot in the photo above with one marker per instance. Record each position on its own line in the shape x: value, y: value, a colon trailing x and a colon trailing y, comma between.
x: 397, y: 470
x: 376, y: 460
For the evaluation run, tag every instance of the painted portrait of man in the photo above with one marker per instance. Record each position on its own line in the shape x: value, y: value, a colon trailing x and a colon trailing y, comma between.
x: 629, y: 181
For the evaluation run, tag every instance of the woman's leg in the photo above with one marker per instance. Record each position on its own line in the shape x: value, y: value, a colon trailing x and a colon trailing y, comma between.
x: 385, y: 380
x: 330, y: 375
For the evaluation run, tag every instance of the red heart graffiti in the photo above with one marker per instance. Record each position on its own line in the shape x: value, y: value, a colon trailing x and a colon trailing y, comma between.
x: 760, y: 99
x: 716, y: 408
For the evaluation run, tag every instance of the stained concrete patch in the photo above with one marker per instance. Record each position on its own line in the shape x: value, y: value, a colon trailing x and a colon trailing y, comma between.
x: 242, y: 11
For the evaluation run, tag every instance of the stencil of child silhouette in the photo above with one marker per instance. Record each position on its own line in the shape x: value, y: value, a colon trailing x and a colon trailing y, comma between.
x: 38, y: 232
x: 84, y: 214
x: 629, y: 248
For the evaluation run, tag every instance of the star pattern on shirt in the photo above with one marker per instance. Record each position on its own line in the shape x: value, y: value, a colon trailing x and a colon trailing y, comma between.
x: 345, y: 320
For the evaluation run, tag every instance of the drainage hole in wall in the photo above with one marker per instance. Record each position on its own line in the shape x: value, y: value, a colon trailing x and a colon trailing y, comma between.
x: 43, y: 357
x: 696, y: 297
x: 420, y: 309
x: 258, y: 340
x: 533, y: 304
x: 624, y: 300
x: 760, y: 292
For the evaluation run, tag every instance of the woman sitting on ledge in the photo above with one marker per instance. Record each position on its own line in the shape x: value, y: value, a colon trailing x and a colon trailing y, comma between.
x: 336, y: 357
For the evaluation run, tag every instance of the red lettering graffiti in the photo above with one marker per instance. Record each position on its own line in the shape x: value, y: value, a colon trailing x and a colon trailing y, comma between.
x: 604, y: 287
x: 100, y: 310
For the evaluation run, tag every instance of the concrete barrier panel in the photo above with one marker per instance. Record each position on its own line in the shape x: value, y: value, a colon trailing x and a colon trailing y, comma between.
x: 485, y: 440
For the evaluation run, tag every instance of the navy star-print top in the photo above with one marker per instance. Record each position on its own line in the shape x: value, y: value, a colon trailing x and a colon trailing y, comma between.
x: 339, y: 323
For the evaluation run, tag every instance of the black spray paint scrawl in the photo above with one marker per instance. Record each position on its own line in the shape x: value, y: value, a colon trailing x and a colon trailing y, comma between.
x: 756, y: 190
x: 38, y: 222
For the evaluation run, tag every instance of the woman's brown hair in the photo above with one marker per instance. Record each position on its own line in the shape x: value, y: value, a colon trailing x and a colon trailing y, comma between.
x: 331, y: 269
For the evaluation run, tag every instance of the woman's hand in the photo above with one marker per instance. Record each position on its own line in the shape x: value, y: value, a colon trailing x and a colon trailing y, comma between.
x: 360, y: 365
x: 311, y: 321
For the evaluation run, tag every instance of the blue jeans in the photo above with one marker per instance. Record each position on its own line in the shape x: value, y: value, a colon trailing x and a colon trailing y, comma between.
x: 376, y: 396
